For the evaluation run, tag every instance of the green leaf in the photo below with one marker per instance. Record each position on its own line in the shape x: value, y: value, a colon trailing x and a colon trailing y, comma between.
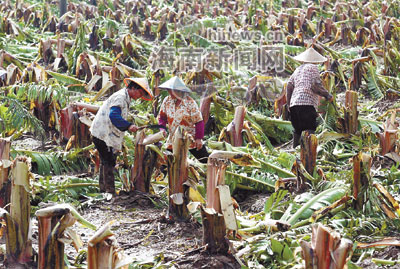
x: 57, y: 168
x: 282, y: 250
x: 42, y: 163
x: 274, y: 200
x: 65, y: 79
x: 372, y: 82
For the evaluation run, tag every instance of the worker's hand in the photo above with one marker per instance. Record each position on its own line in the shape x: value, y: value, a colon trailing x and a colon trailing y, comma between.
x: 133, y: 128
x: 199, y: 143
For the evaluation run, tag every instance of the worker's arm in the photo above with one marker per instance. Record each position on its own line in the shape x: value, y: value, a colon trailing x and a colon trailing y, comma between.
x: 316, y: 84
x: 117, y: 120
x: 319, y: 89
x: 199, y: 134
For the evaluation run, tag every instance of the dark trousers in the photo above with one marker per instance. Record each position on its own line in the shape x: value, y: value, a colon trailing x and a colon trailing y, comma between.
x: 303, y: 118
x: 201, y: 154
x: 107, y: 157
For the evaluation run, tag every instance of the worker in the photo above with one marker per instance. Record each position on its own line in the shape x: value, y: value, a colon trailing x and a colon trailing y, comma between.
x: 302, y: 93
x: 179, y: 109
x: 109, y: 125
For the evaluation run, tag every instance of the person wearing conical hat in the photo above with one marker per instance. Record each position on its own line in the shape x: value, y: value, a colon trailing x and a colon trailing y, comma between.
x: 302, y: 93
x: 179, y: 109
x: 109, y: 125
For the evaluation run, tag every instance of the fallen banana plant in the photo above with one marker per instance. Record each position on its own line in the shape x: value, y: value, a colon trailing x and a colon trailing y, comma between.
x: 388, y: 197
x: 306, y: 210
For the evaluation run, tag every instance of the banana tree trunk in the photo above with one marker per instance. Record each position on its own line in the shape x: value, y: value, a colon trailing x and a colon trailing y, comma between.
x: 361, y: 174
x: 214, y: 231
x: 205, y: 108
x: 18, y: 243
x: 145, y: 161
x: 54, y: 231
x: 234, y: 129
x: 72, y: 129
x: 5, y: 163
x: 66, y: 115
x: 326, y: 249
x: 240, y: 113
x: 388, y: 138
x: 218, y: 216
x: 52, y: 224
x: 42, y: 111
x: 103, y: 250
x: 137, y: 175
x: 177, y: 175
x: 215, y: 177
x: 81, y: 132
x: 308, y: 151
x: 351, y: 113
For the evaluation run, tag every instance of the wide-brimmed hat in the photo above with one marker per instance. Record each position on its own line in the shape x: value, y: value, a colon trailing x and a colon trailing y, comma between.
x: 176, y: 84
x: 310, y: 56
x: 142, y: 82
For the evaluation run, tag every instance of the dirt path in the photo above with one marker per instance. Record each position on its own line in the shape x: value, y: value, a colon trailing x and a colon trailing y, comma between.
x: 144, y: 233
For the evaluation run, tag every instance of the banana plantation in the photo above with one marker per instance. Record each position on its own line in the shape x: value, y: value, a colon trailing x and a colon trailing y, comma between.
x: 258, y: 201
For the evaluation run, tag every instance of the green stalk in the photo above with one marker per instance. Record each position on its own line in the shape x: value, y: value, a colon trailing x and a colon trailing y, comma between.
x: 244, y: 187
x: 307, y: 221
x: 74, y: 185
x: 385, y: 262
x: 284, y: 172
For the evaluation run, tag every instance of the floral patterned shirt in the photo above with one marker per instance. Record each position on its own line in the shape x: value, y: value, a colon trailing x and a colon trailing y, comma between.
x: 186, y: 114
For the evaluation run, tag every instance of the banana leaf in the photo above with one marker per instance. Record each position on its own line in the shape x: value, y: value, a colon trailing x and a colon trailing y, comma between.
x: 320, y: 200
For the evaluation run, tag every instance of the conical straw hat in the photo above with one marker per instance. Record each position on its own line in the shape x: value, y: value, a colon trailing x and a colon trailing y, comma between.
x: 142, y: 82
x: 310, y: 56
x: 174, y: 83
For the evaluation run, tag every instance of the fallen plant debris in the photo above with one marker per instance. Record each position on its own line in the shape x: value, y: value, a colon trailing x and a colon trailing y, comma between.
x: 330, y: 204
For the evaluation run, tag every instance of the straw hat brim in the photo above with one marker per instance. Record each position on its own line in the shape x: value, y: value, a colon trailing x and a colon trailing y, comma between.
x: 142, y: 82
x: 310, y: 56
x: 175, y: 84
